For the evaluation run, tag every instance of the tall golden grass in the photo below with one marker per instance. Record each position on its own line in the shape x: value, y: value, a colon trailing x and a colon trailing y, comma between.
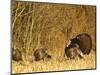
x: 36, y: 25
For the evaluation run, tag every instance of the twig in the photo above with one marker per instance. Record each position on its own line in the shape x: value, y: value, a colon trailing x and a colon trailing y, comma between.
x: 16, y: 16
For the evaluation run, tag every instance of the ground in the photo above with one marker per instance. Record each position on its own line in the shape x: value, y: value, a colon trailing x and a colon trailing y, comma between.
x: 55, y: 65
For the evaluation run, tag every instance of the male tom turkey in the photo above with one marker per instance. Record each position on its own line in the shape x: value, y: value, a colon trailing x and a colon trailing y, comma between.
x: 41, y: 53
x: 84, y: 41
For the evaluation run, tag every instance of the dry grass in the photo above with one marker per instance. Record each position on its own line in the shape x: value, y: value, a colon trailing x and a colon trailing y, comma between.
x: 36, y: 25
x: 55, y: 65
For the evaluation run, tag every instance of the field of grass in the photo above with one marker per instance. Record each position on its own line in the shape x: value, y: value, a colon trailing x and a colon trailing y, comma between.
x: 36, y: 25
x: 55, y: 64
